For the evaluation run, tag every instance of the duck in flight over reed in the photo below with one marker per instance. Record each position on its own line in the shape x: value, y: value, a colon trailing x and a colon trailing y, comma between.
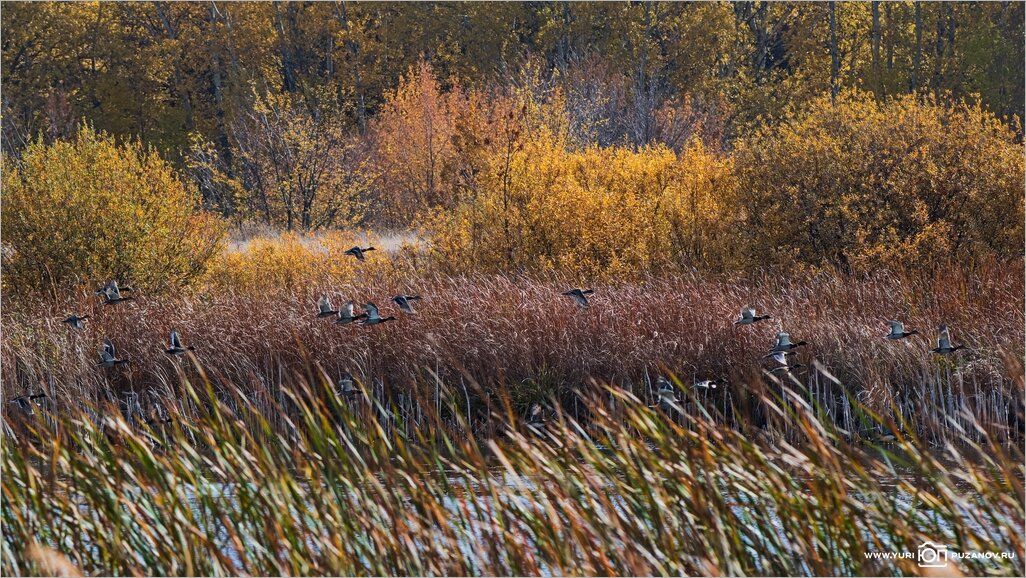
x: 374, y: 316
x: 403, y: 301
x: 348, y: 314
x: 710, y: 383
x: 898, y: 330
x: 176, y: 348
x: 25, y: 402
x: 324, y: 307
x: 784, y: 343
x: 748, y: 317
x: 666, y: 395
x: 112, y: 294
x: 76, y: 321
x: 579, y: 295
x: 783, y: 366
x: 109, y: 355
x: 944, y: 342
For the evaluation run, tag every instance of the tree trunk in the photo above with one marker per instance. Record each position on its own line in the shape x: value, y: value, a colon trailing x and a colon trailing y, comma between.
x: 217, y: 89
x: 875, y: 43
x: 938, y: 54
x: 288, y: 71
x: 890, y: 38
x: 353, y: 47
x: 835, y: 56
x: 917, y: 58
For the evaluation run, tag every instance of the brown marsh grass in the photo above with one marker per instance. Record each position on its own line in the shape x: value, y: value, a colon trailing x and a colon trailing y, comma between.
x: 519, y: 335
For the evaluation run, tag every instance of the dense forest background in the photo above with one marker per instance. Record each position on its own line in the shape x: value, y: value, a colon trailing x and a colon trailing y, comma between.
x: 533, y: 134
x: 167, y: 71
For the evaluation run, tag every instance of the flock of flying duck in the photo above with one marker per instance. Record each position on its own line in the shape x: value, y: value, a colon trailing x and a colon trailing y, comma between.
x: 783, y: 347
x: 112, y: 294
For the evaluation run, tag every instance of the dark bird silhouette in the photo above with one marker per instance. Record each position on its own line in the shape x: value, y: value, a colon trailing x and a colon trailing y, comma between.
x: 579, y: 295
x: 324, y: 307
x: 176, y: 347
x: 358, y: 252
x: 784, y: 343
x: 112, y: 294
x: 76, y: 321
x: 782, y: 364
x: 348, y: 314
x: 748, y: 317
x: 24, y: 402
x: 109, y: 355
x: 346, y: 387
x: 403, y: 301
x: 944, y: 342
x: 666, y: 395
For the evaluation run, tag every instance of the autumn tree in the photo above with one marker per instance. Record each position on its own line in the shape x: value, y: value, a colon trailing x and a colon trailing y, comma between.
x: 414, y: 141
x: 295, y: 168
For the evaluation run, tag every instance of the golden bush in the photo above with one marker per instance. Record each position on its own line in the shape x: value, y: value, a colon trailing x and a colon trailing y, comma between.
x: 860, y: 184
x: 91, y: 209
x: 597, y: 211
x: 293, y: 262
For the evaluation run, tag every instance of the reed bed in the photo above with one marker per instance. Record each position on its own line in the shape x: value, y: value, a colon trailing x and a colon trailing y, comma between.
x: 220, y: 491
x: 518, y: 334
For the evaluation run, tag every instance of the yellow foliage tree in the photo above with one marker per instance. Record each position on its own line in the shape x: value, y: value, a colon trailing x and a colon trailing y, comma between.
x: 91, y: 209
x: 297, y: 168
x: 859, y: 183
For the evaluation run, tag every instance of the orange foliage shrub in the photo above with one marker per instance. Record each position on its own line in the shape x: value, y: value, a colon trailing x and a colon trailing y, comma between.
x: 414, y: 141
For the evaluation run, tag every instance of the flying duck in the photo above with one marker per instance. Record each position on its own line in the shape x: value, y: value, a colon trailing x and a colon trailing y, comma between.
x: 666, y: 396
x: 944, y: 341
x: 358, y: 252
x: 579, y: 295
x: 76, y: 321
x: 748, y: 317
x: 898, y: 330
x: 374, y: 316
x: 346, y: 388
x: 403, y: 301
x: 324, y: 307
x: 109, y: 355
x: 782, y: 364
x: 710, y: 383
x: 176, y: 347
x: 24, y: 402
x: 112, y: 294
x: 348, y: 314
x: 784, y: 343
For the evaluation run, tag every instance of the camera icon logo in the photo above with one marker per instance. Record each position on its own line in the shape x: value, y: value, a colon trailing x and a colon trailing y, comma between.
x: 933, y: 555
